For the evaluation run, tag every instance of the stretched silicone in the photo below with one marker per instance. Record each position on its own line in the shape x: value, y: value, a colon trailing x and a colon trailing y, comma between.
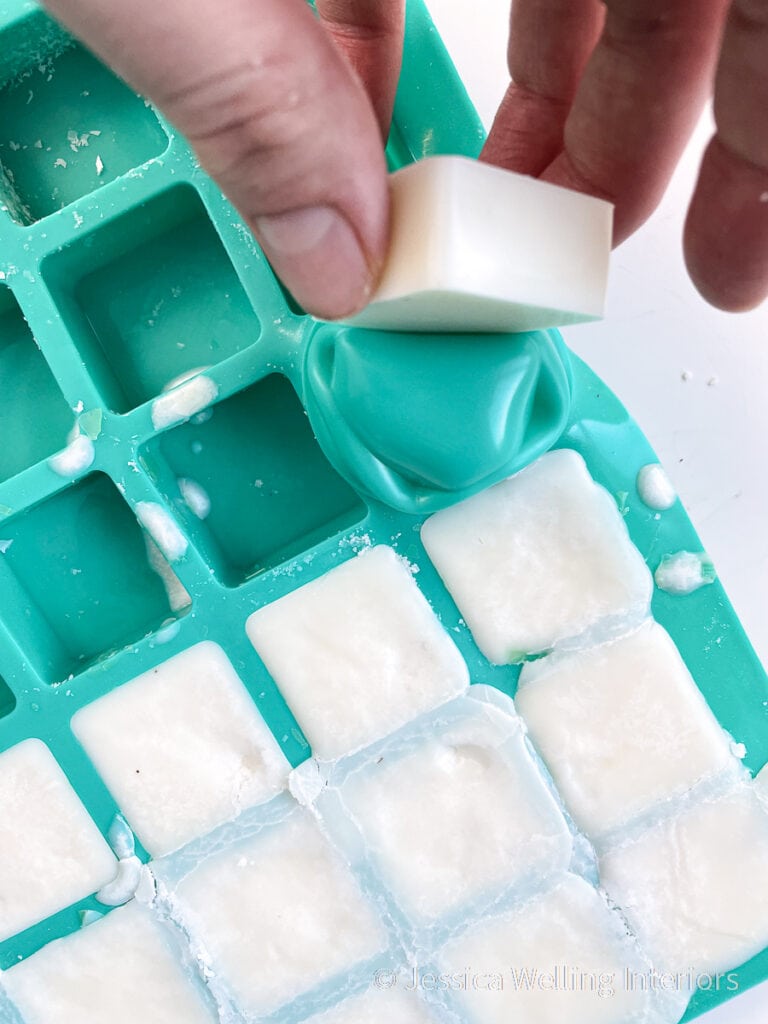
x: 123, y: 267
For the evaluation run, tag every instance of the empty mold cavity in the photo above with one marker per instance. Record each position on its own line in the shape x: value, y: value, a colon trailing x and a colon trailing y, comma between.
x: 7, y: 699
x: 150, y: 297
x: 34, y: 416
x: 78, y: 579
x: 272, y: 492
x: 67, y: 126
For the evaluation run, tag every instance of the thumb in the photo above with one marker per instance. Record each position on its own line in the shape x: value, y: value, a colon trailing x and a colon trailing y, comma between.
x: 275, y: 115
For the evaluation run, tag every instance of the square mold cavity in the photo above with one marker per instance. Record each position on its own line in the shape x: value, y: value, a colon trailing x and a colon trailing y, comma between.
x: 150, y: 297
x: 255, y: 473
x: 34, y: 416
x: 78, y: 579
x: 67, y: 124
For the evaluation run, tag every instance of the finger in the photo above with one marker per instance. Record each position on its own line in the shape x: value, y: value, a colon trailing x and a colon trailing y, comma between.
x: 726, y: 232
x: 276, y: 116
x: 550, y: 42
x: 370, y: 35
x: 638, y: 101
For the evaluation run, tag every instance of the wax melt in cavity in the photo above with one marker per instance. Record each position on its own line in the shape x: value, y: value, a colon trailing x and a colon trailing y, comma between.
x: 182, y: 748
x: 695, y: 887
x: 621, y: 726
x: 278, y: 914
x: 51, y: 853
x: 119, y: 970
x: 477, y: 248
x: 464, y: 815
x: 542, y: 556
x: 560, y: 957
x: 357, y: 653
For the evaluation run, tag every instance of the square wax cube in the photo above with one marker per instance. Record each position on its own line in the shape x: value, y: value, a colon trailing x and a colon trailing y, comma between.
x: 561, y: 957
x: 621, y: 726
x: 379, y: 1006
x: 277, y: 914
x: 477, y: 248
x: 357, y: 653
x: 51, y: 853
x: 462, y: 815
x: 182, y: 748
x: 540, y: 557
x: 695, y: 887
x: 119, y: 970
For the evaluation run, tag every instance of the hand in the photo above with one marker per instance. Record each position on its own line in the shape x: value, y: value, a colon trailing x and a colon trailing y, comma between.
x: 276, y: 114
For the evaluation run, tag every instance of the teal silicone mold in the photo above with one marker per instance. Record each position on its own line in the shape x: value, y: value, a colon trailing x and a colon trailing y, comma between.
x: 114, y: 282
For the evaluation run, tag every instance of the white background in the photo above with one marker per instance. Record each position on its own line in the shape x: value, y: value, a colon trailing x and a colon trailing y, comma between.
x: 709, y: 429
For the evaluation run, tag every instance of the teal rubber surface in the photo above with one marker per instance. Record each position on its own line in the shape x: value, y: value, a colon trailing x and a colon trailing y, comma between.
x: 115, y: 282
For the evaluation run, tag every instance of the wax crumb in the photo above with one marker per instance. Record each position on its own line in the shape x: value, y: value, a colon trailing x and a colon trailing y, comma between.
x: 60, y: 163
x: 4, y: 545
x: 686, y: 375
x: 99, y: 166
x: 75, y: 458
x: 183, y: 401
x: 684, y: 572
x: 162, y: 529
x: 738, y: 750
x: 123, y: 886
x: 655, y: 488
x: 195, y: 497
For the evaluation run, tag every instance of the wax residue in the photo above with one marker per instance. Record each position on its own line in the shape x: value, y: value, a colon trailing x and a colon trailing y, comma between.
x: 75, y: 458
x: 162, y: 529
x: 183, y: 401
x: 178, y: 596
x: 655, y: 488
x: 684, y: 572
x: 195, y: 497
x: 124, y: 885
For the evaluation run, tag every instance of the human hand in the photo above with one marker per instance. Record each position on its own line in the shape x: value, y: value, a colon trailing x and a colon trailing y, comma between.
x: 605, y: 97
x: 277, y: 115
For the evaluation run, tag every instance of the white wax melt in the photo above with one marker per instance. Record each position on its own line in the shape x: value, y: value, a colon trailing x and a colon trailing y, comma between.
x: 540, y: 557
x: 464, y: 815
x: 357, y: 653
x: 477, y: 248
x: 119, y: 970
x: 182, y: 748
x: 621, y: 726
x: 560, y: 957
x: 379, y: 1006
x: 51, y: 853
x: 695, y: 887
x: 277, y: 914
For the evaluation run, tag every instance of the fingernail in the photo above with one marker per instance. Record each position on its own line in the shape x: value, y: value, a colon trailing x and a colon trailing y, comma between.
x: 316, y: 254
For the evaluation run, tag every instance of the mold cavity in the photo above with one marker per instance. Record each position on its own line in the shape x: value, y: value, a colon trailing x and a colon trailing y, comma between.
x: 271, y: 492
x: 151, y: 297
x: 34, y: 416
x: 67, y: 124
x: 77, y: 580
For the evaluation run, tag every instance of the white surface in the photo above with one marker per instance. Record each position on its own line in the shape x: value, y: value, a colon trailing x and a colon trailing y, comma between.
x: 621, y: 727
x: 182, y: 748
x: 695, y: 887
x: 357, y: 653
x: 379, y: 1007
x: 119, y: 970
x: 541, y: 557
x: 569, y: 929
x: 476, y: 248
x: 709, y: 430
x: 51, y: 853
x: 277, y: 914
x: 464, y: 815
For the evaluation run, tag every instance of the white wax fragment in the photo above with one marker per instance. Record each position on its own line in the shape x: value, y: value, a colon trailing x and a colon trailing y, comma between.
x: 655, y: 488
x: 684, y: 572
x: 4, y: 545
x: 120, y: 837
x: 357, y: 653
x: 380, y: 1006
x: 621, y: 726
x: 51, y: 853
x: 182, y: 748
x: 119, y: 970
x: 176, y: 592
x: 278, y: 914
x: 163, y: 529
x: 695, y: 887
x: 458, y: 818
x: 195, y: 497
x: 75, y: 458
x: 183, y: 401
x: 123, y: 886
x: 560, y: 957
x: 477, y: 248
x: 540, y: 557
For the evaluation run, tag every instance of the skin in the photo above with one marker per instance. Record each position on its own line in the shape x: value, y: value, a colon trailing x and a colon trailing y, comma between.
x: 288, y: 111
